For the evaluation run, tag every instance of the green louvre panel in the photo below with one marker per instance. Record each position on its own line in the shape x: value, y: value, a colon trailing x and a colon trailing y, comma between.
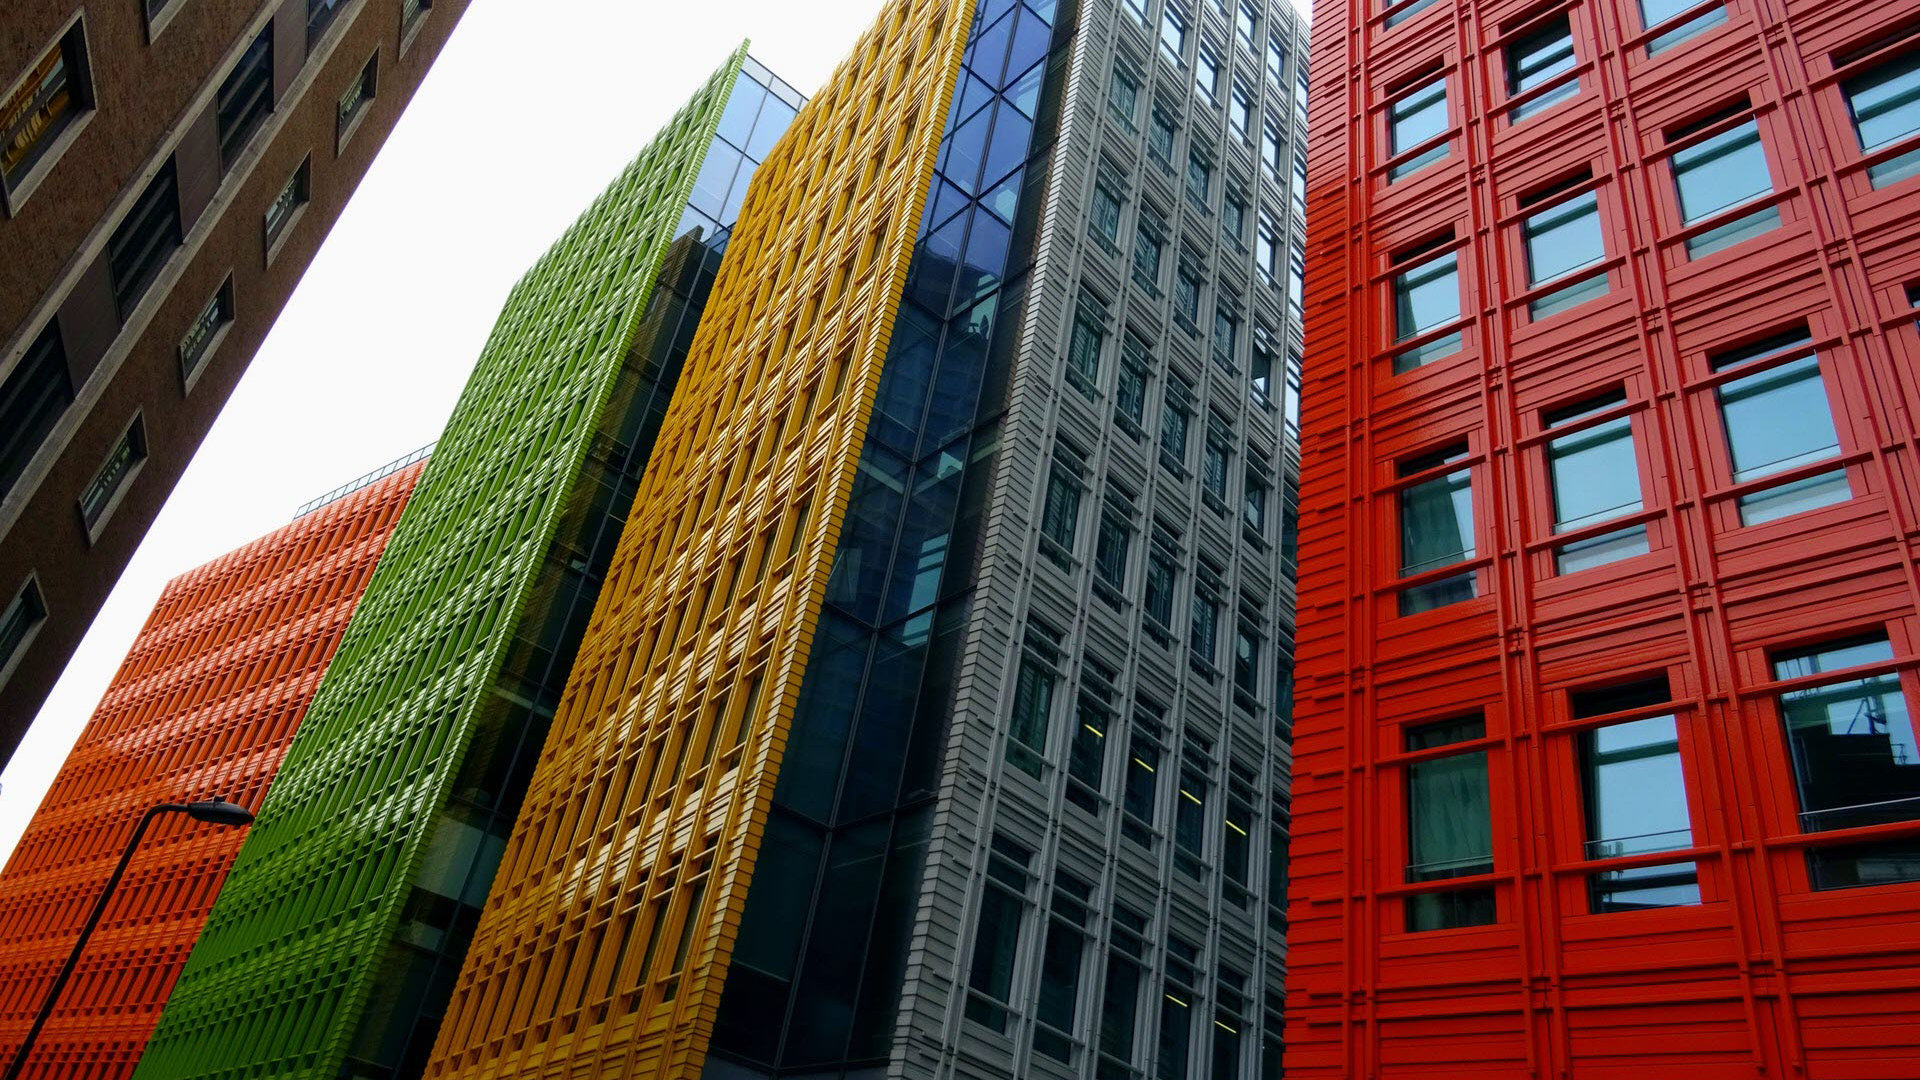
x: 334, y: 944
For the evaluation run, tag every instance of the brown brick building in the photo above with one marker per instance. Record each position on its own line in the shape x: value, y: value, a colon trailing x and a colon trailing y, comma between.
x: 167, y: 170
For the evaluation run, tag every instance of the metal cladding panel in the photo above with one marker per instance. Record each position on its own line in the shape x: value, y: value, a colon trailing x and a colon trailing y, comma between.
x: 403, y: 745
x: 604, y: 945
x: 1535, y: 971
x: 204, y: 706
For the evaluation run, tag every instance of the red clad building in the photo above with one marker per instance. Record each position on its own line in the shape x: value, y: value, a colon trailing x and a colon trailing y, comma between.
x: 1605, y: 761
x: 204, y: 706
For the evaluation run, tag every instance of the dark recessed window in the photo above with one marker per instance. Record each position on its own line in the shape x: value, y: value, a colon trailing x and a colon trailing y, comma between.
x: 200, y: 337
x: 34, y: 395
x: 320, y: 15
x: 127, y: 455
x: 55, y: 94
x: 286, y: 206
x: 245, y: 97
x: 997, y: 934
x: 1436, y: 531
x: 24, y: 613
x: 1855, y: 759
x: 358, y: 96
x: 412, y: 11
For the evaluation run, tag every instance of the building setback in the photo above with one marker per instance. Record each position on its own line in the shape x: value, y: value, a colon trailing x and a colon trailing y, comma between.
x: 334, y: 944
x: 167, y: 170
x: 1608, y: 634
x: 204, y: 706
x: 932, y: 722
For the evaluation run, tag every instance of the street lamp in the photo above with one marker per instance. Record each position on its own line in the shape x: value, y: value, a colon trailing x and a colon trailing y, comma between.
x: 214, y: 811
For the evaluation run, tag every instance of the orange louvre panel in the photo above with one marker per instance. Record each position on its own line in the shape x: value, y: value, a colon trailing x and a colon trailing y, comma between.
x: 203, y: 706
x: 606, y: 938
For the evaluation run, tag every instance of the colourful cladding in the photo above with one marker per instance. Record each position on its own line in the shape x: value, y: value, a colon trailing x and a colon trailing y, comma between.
x: 606, y: 941
x: 204, y: 705
x: 1561, y: 944
x: 337, y: 937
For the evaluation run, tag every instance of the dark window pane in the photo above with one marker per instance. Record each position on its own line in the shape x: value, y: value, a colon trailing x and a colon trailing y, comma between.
x: 36, y: 392
x: 1882, y: 862
x: 144, y: 240
x: 1854, y: 755
x: 1448, y: 910
x: 991, y: 975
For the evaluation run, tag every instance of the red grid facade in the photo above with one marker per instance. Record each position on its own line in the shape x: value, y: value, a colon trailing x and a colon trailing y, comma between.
x: 1702, y: 337
x: 204, y: 706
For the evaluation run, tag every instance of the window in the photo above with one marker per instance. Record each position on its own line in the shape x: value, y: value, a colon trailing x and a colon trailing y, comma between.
x: 1777, y: 418
x: 1266, y: 248
x: 1298, y: 191
x: 1146, y: 251
x: 1206, y: 73
x: 1561, y: 241
x: 1240, y: 114
x: 1253, y: 503
x: 1236, y: 837
x: 32, y: 400
x: 1190, y: 813
x: 1061, y: 963
x: 1396, y: 16
x: 1436, y: 530
x: 1110, y: 548
x: 1426, y: 296
x: 1297, y: 281
x: 1855, y: 761
x: 1087, y: 746
x: 1139, y: 9
x: 1083, y: 350
x: 320, y: 15
x: 996, y: 937
x: 1175, y: 1044
x: 1270, y: 150
x: 1175, y: 416
x: 245, y: 98
x: 412, y: 11
x: 1060, y: 515
x: 1719, y: 173
x: 1130, y: 389
x: 286, y: 206
x: 1123, y: 97
x: 1233, y: 219
x: 201, y: 337
x: 1106, y: 216
x: 1537, y: 58
x: 1186, y: 295
x: 121, y: 463
x: 1140, y: 798
x: 49, y: 101
x: 1226, y: 336
x: 1203, y: 637
x: 1160, y: 137
x: 1636, y: 804
x: 1120, y: 993
x: 1160, y: 584
x: 1300, y: 90
x: 1199, y: 178
x: 1246, y: 25
x: 1655, y: 12
x: 1173, y: 34
x: 1246, y: 661
x: 144, y: 240
x: 1215, y: 454
x: 1596, y: 478
x: 1033, y: 700
x: 353, y: 103
x: 1413, y: 119
x: 1449, y: 826
x: 22, y: 617
x: 1885, y: 104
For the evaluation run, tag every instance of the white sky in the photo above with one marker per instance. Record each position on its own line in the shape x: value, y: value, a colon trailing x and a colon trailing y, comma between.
x: 532, y: 108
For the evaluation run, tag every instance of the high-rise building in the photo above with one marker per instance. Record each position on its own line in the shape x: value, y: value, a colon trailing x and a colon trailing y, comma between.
x: 335, y: 942
x: 204, y: 706
x: 932, y: 723
x: 167, y: 170
x: 1608, y: 634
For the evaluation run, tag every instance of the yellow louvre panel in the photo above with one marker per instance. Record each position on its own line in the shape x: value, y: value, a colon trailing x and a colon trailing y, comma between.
x: 603, y: 947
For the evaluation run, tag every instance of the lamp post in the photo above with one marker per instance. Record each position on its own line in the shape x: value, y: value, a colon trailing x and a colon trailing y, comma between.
x: 216, y: 811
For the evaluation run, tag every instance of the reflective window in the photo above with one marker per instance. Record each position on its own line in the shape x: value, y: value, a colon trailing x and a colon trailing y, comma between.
x: 1160, y: 137
x: 1233, y: 219
x: 1655, y: 12
x: 1060, y: 514
x: 1061, y: 963
x: 1414, y: 118
x: 1199, y: 179
x: 127, y: 455
x: 1160, y: 584
x: 1246, y: 24
x: 1240, y: 114
x: 1175, y: 417
x: 54, y: 94
x: 1855, y: 761
x: 1276, y: 62
x: 1261, y: 364
x: 1718, y: 174
x: 1253, y: 503
x: 1436, y: 530
x: 1190, y: 813
x: 1083, y: 350
x: 1033, y: 694
x: 1246, y: 665
x: 1186, y: 293
x: 996, y: 937
x: 1885, y: 104
x: 1226, y: 336
x: 1130, y: 390
x: 1561, y: 241
x: 1399, y: 15
x: 1140, y: 798
x: 1120, y: 994
x: 1173, y: 34
x: 1123, y: 97
x: 1206, y: 74
x: 1426, y: 296
x: 1778, y: 418
x: 1297, y: 281
x: 1595, y: 477
x: 1449, y: 826
x: 24, y: 612
x: 1146, y: 250
x: 1110, y: 549
x: 1204, y: 629
x: 1636, y: 804
x: 1266, y: 248
x: 1270, y: 150
x: 1536, y: 58
x: 1106, y: 215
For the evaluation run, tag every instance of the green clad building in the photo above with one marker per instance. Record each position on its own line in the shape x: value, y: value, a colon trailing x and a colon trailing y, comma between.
x: 335, y: 942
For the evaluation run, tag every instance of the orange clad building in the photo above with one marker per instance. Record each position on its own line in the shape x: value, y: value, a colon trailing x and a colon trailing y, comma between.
x: 204, y: 706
